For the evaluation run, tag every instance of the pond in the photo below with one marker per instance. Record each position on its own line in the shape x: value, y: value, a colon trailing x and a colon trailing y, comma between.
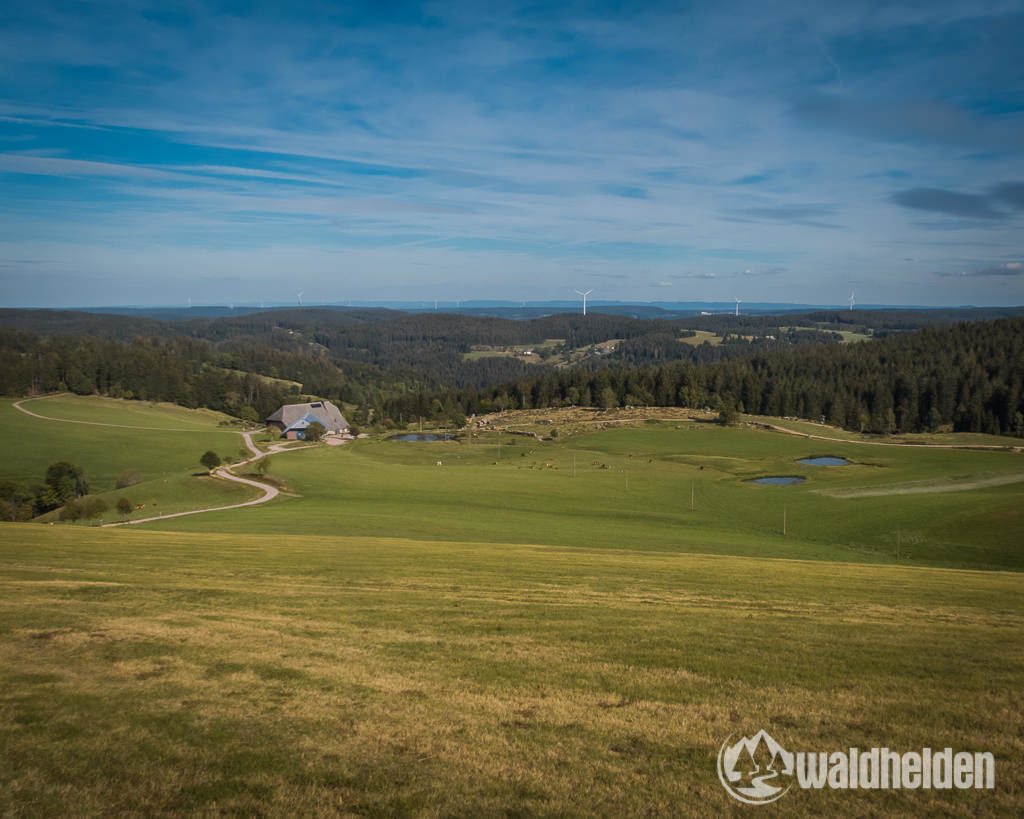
x: 826, y: 460
x: 785, y: 480
x: 421, y: 436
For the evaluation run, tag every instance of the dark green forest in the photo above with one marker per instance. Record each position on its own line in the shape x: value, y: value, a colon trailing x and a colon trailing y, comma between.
x: 969, y: 376
x: 921, y: 371
x: 431, y: 349
x: 183, y: 371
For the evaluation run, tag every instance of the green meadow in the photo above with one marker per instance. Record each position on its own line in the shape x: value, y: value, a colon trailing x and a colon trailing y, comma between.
x: 107, y: 436
x: 631, y: 489
x: 566, y: 627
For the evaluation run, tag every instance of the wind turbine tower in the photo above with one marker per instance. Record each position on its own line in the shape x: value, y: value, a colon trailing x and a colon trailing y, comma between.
x: 737, y: 307
x: 585, y: 299
x: 300, y: 297
x: 852, y: 302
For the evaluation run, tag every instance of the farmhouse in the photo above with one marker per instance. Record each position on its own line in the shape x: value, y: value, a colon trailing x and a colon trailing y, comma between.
x: 294, y: 419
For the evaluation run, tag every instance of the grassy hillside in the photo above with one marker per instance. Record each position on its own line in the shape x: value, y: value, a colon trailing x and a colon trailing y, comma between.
x: 148, y: 672
x: 163, y: 442
x: 632, y: 489
x: 626, y: 488
x: 113, y: 411
x: 540, y: 624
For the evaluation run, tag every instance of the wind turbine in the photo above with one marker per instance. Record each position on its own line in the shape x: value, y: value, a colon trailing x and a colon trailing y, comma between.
x: 737, y: 307
x: 300, y: 297
x: 584, y: 299
x: 190, y: 304
x: 852, y: 302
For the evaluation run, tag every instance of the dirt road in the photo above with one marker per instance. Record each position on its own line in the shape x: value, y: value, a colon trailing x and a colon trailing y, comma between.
x: 269, y: 492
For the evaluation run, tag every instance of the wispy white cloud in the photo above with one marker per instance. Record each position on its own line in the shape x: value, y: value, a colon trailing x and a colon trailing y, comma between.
x: 443, y: 140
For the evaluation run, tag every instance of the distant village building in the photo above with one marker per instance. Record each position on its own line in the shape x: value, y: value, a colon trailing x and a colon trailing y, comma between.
x: 294, y: 419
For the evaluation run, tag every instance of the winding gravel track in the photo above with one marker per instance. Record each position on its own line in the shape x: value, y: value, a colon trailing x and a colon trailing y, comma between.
x: 269, y: 492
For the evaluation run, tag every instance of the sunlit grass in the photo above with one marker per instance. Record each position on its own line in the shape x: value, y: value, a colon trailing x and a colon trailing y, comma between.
x: 167, y: 459
x: 154, y: 672
x: 632, y: 488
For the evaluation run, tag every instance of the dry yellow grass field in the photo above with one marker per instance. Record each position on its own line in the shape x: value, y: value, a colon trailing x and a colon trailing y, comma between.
x: 160, y: 672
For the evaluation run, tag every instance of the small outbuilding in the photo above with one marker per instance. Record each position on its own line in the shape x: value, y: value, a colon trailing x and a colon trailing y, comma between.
x: 294, y: 419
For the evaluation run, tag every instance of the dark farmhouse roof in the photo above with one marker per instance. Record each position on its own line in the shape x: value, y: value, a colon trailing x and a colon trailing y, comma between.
x: 324, y: 411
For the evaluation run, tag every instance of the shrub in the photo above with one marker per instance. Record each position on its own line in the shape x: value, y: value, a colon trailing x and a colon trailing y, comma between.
x: 128, y: 477
x: 315, y: 431
x: 71, y: 511
x: 93, y: 507
x: 728, y: 416
x: 210, y: 459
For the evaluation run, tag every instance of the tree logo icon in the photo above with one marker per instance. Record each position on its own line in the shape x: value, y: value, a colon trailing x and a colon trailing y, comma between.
x: 755, y: 770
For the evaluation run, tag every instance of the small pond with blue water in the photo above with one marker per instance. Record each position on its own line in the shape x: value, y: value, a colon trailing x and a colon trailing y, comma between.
x: 421, y: 436
x: 826, y: 460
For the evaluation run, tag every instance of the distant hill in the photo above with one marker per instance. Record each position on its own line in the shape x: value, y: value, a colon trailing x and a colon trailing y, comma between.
x: 474, y: 349
x: 526, y: 311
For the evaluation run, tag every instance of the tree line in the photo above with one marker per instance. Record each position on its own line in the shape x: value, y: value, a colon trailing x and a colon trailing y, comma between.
x: 63, y: 483
x: 245, y: 382
x: 430, y: 349
x: 966, y: 377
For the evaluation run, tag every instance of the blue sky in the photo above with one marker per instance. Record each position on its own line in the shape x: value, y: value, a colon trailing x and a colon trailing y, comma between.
x: 152, y: 153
